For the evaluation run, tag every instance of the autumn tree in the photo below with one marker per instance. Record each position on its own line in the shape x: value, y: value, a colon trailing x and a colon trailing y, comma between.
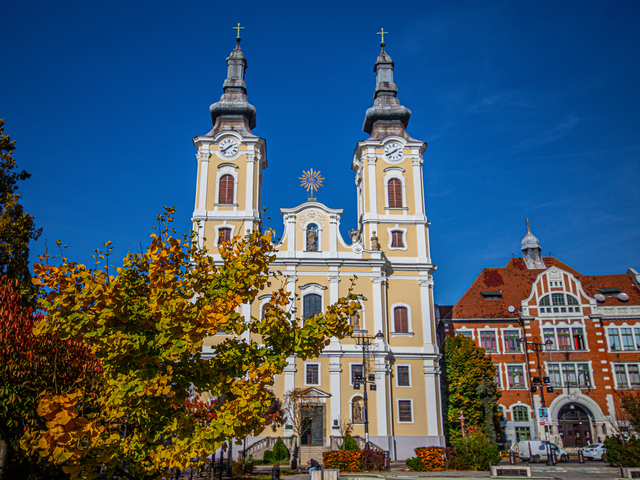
x: 17, y: 228
x: 469, y: 387
x: 146, y: 322
x: 30, y: 365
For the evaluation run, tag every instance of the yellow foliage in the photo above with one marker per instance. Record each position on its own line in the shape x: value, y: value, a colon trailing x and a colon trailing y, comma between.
x: 146, y: 326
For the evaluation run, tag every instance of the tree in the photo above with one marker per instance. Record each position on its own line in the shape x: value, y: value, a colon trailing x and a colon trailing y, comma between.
x: 630, y: 403
x: 146, y: 322
x: 29, y: 366
x: 17, y: 228
x: 469, y: 386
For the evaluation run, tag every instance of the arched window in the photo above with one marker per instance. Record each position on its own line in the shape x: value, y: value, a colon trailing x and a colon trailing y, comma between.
x: 358, y: 413
x: 224, y: 235
x: 395, y: 193
x: 401, y: 320
x: 520, y: 414
x: 311, y: 305
x: 396, y: 238
x: 226, y: 190
x: 562, y: 303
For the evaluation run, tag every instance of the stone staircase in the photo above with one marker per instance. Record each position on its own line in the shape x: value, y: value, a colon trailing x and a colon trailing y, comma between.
x: 311, y: 451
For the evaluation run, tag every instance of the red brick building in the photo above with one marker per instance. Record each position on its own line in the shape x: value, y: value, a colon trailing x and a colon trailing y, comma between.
x: 591, y: 327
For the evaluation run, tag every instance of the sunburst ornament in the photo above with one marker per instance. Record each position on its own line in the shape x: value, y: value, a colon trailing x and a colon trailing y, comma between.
x: 311, y: 181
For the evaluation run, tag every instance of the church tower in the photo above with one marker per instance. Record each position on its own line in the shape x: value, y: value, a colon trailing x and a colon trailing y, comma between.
x: 388, y: 168
x: 230, y: 162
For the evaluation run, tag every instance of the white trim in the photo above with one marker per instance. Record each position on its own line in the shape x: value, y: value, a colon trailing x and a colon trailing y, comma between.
x: 504, y: 344
x: 392, y: 320
x: 463, y: 330
x: 319, y: 231
x: 309, y: 289
x: 390, y: 231
x: 390, y: 174
x: 224, y: 225
x: 398, y: 376
x: 487, y: 328
x: 525, y: 383
x: 413, y: 416
x: 317, y: 364
x: 498, y: 366
x: 222, y: 171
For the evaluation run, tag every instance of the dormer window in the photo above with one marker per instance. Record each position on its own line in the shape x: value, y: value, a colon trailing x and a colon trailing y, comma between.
x: 559, y: 303
x: 493, y: 295
x: 609, y: 292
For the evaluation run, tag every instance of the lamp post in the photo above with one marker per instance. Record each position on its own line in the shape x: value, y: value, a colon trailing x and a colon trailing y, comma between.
x: 364, y: 341
x: 538, y: 381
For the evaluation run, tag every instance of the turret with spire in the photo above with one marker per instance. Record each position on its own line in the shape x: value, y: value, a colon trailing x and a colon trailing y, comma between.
x: 531, y: 250
x: 233, y: 111
x: 387, y: 116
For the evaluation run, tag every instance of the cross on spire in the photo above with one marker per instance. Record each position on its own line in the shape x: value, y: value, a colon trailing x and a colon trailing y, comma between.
x: 238, y: 28
x: 381, y: 33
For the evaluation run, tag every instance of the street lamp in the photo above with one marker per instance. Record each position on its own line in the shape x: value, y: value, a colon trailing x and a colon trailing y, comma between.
x: 539, y: 382
x: 364, y: 378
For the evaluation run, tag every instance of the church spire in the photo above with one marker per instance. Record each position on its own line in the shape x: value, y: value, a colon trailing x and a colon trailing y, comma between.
x: 233, y: 111
x: 531, y: 250
x: 387, y: 116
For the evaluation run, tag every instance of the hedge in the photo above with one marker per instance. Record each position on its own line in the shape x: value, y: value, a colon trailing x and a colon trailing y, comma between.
x: 432, y: 458
x: 354, y: 460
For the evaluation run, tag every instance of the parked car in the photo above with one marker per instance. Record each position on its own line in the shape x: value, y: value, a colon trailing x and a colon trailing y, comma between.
x: 595, y: 451
x: 536, y: 451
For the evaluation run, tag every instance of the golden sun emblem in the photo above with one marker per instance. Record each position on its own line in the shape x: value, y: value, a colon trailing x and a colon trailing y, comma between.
x: 311, y: 180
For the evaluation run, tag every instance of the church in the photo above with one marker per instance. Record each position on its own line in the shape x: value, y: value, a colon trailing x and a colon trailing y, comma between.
x: 384, y: 379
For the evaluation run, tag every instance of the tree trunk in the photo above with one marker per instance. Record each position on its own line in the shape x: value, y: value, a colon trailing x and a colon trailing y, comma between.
x: 4, y: 458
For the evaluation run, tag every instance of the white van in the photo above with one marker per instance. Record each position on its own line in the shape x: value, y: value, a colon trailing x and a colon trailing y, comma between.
x: 536, y: 451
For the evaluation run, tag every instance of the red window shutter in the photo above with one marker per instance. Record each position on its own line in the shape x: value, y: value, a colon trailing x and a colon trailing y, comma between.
x: 395, y: 193
x: 400, y: 320
x: 226, y: 190
x: 396, y: 239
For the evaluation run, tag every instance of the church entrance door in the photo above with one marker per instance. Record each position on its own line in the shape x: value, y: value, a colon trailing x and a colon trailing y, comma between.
x: 313, y: 425
x: 574, y: 425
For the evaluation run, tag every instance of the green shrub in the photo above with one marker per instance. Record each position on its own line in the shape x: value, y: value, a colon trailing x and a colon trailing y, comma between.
x: 280, y: 452
x: 415, y: 464
x: 349, y: 443
x: 476, y: 453
x: 237, y: 469
x: 286, y: 471
x: 621, y: 454
x: 267, y: 456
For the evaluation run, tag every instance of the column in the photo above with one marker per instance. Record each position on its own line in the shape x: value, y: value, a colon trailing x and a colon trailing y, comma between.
x: 428, y: 322
x: 432, y: 390
x: 335, y: 371
x: 251, y: 162
x: 418, y: 191
x: 378, y: 311
x: 382, y: 380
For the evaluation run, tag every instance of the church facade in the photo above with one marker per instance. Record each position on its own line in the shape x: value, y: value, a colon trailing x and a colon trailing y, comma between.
x: 398, y: 366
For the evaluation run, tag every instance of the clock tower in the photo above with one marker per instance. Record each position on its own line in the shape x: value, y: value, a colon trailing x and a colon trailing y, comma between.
x: 230, y: 162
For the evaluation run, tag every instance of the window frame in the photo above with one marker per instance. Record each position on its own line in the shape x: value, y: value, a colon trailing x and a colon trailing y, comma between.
x: 559, y: 303
x: 306, y: 374
x: 518, y: 345
x: 625, y: 366
x: 408, y: 374
x: 493, y: 331
x: 561, y: 369
x: 409, y: 331
x: 523, y: 385
x: 398, y: 402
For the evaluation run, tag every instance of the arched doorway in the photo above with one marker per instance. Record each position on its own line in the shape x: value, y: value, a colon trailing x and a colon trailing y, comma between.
x: 574, y: 425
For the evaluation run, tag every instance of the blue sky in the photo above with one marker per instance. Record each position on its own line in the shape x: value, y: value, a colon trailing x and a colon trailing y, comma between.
x: 530, y: 109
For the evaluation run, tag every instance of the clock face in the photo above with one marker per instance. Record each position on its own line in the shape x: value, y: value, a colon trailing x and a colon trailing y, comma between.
x: 228, y: 147
x: 393, y: 151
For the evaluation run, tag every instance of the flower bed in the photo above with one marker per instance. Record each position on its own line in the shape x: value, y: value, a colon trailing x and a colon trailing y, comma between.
x: 432, y: 458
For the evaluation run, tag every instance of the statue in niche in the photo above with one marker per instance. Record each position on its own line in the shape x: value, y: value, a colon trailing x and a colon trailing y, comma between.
x: 357, y: 413
x: 355, y: 236
x: 355, y: 320
x: 312, y: 238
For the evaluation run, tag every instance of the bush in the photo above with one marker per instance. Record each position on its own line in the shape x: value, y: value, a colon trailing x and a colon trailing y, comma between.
x: 280, y: 452
x: 237, y: 469
x: 344, y: 460
x: 621, y: 454
x: 415, y: 464
x: 476, y: 453
x: 432, y: 458
x: 349, y: 443
x: 373, y: 460
x: 267, y: 456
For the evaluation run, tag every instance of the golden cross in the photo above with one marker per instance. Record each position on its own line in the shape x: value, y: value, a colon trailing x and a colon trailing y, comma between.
x: 381, y: 33
x: 238, y: 28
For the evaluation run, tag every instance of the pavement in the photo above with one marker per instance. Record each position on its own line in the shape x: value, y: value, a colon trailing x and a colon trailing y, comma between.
x: 571, y: 470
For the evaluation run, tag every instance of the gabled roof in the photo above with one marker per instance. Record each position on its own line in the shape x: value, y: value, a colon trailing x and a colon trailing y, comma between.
x: 515, y: 280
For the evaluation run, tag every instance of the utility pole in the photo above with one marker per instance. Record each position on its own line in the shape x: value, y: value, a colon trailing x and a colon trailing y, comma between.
x: 540, y: 382
x: 365, y: 341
